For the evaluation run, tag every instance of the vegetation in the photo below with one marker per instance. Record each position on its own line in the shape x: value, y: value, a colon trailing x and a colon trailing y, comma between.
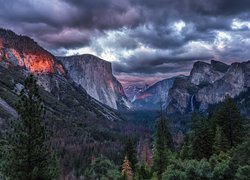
x: 216, y: 146
x: 26, y: 153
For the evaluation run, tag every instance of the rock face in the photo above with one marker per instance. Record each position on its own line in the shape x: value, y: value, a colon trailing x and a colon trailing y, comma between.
x: 151, y: 97
x: 95, y: 76
x: 24, y: 52
x: 20, y: 55
x: 204, y: 73
x: 234, y: 81
x: 132, y: 90
x: 208, y: 84
x: 179, y: 95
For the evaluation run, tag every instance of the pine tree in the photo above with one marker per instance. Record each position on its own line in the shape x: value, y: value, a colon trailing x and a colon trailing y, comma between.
x: 221, y: 143
x: 127, y: 172
x: 202, y: 138
x: 163, y: 143
x: 102, y: 168
x: 228, y: 117
x: 130, y: 152
x: 27, y: 155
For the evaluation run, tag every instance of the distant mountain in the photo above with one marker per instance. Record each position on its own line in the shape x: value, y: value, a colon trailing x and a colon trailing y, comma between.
x: 132, y: 90
x: 207, y: 85
x: 96, y: 77
x: 150, y: 97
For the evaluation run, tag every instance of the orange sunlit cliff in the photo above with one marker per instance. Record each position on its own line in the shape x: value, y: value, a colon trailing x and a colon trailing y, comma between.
x: 23, y: 51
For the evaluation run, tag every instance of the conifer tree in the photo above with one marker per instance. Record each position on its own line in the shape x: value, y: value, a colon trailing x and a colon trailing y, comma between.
x: 221, y: 143
x: 130, y: 152
x: 228, y: 117
x: 101, y: 168
x: 163, y: 143
x: 127, y: 172
x: 202, y: 142
x: 27, y: 155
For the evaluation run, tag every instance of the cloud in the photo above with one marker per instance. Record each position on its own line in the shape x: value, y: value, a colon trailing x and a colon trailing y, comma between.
x: 143, y: 38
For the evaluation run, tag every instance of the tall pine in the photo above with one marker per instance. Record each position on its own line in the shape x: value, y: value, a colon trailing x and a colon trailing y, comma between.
x: 229, y: 119
x: 221, y: 143
x: 162, y: 144
x: 27, y: 155
x: 202, y: 137
x: 130, y: 152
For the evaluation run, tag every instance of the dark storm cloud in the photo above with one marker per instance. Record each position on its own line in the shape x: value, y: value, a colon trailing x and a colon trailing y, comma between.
x: 56, y: 17
x: 159, y: 63
x: 62, y: 25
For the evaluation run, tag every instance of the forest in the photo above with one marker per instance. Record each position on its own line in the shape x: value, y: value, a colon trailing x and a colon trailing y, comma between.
x: 216, y: 145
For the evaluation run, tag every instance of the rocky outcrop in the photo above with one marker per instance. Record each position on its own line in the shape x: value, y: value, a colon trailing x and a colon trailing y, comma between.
x: 204, y: 73
x: 25, y: 52
x: 95, y: 76
x: 208, y: 84
x: 234, y: 81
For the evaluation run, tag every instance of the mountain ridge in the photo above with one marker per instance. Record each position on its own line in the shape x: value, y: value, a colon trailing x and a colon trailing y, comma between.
x: 18, y: 50
x: 207, y: 84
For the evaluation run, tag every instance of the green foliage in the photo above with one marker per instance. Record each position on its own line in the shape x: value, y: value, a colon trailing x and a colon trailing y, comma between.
x: 130, y: 152
x: 221, y: 143
x: 163, y: 142
x: 213, y: 149
x: 229, y: 119
x: 186, y: 151
x: 202, y: 137
x: 102, y: 169
x: 26, y: 154
x: 243, y: 173
x: 142, y: 172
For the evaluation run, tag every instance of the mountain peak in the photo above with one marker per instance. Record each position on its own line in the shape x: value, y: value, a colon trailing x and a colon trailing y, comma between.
x: 95, y: 76
x: 25, y: 52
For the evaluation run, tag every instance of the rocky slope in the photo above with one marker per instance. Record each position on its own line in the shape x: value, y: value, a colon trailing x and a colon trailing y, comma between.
x: 95, y: 76
x: 19, y: 56
x: 207, y: 84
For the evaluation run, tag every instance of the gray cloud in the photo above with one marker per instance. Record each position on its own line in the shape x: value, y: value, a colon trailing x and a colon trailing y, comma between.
x: 145, y: 37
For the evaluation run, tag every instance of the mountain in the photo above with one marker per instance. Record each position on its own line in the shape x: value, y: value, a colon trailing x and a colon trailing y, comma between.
x: 96, y: 77
x: 19, y: 56
x: 207, y: 85
x: 150, y: 97
x: 80, y: 126
x: 132, y: 90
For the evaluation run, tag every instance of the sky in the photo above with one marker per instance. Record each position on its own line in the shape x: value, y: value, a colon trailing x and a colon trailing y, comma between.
x: 146, y: 40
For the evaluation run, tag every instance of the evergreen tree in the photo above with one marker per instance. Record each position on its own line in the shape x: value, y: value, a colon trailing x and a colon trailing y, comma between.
x: 163, y: 143
x: 27, y: 155
x: 202, y: 137
x: 228, y: 117
x: 127, y: 172
x: 130, y: 152
x: 102, y: 168
x: 186, y: 148
x: 221, y: 143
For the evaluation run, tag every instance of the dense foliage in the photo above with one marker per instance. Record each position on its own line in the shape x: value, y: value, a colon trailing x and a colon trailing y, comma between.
x: 26, y: 153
